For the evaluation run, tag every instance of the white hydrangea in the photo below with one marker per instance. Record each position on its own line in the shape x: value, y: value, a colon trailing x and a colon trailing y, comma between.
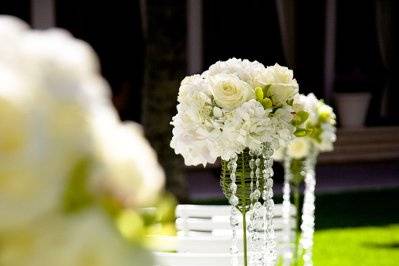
x: 281, y: 123
x: 195, y: 132
x: 245, y: 70
x: 248, y: 127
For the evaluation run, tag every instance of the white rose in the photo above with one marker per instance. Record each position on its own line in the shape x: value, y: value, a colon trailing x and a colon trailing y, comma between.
x: 283, y: 86
x: 229, y: 91
x: 298, y: 148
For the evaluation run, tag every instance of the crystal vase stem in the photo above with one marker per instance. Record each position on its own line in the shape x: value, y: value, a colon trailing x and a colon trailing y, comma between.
x: 239, y: 186
x: 297, y: 224
x: 245, y: 244
x: 244, y: 214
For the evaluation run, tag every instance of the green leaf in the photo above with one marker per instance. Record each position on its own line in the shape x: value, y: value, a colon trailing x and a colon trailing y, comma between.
x: 300, y: 118
x: 259, y: 94
x: 303, y: 115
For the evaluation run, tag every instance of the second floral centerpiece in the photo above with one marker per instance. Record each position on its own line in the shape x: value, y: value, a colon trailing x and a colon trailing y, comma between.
x: 241, y: 112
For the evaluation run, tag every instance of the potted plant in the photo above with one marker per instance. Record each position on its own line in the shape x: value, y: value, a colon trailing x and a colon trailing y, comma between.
x: 352, y: 98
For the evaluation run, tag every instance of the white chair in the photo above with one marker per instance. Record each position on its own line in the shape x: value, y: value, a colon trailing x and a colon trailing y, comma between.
x: 204, y: 236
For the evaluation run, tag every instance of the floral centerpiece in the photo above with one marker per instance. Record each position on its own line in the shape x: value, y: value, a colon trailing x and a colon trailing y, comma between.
x: 72, y: 174
x: 316, y: 133
x: 241, y: 112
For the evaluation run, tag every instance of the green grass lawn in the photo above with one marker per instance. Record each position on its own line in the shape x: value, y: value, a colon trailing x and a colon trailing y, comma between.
x: 365, y: 246
x: 357, y: 228
x: 354, y: 228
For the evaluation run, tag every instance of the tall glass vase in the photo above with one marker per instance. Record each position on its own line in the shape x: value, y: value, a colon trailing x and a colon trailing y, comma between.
x: 247, y: 183
x: 296, y: 172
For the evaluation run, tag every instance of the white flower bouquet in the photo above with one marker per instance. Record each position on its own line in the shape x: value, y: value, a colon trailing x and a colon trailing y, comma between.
x: 316, y: 133
x: 69, y: 168
x: 233, y: 106
x: 241, y: 112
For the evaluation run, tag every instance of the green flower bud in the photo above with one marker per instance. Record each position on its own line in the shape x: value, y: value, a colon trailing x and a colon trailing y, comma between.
x: 324, y: 117
x: 300, y: 132
x: 259, y: 94
x: 267, y: 103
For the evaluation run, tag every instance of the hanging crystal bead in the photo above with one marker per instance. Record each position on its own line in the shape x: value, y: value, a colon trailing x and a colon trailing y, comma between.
x: 269, y: 246
x: 308, y: 219
x: 234, y: 216
x: 256, y: 215
x: 250, y: 227
x: 287, y: 251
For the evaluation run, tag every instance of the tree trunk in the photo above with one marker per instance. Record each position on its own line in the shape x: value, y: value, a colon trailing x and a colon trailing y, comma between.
x: 164, y: 69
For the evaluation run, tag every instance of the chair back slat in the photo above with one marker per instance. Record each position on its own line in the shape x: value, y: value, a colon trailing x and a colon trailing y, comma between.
x: 204, y: 235
x: 209, y: 211
x: 221, y: 223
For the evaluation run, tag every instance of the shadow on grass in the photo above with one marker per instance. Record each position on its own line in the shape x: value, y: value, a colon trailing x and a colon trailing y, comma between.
x: 349, y: 209
x: 391, y: 245
x: 354, y: 209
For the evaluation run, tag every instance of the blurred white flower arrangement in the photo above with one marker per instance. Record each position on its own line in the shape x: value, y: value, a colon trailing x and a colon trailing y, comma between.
x: 68, y: 165
x: 317, y: 133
